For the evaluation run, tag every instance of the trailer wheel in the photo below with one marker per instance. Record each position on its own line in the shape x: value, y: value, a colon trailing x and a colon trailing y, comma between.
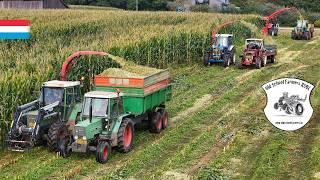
x: 165, y: 118
x: 299, y: 109
x: 258, y: 63
x: 273, y: 59
x: 125, y: 135
x: 156, y: 123
x: 103, y: 152
x: 57, y: 132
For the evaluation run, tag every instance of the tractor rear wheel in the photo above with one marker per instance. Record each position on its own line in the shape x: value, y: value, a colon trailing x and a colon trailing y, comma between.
x: 125, y: 135
x: 58, y: 131
x: 258, y: 63
x: 206, y: 59
x: 156, y: 123
x: 226, y: 60
x: 103, y: 152
x: 299, y: 109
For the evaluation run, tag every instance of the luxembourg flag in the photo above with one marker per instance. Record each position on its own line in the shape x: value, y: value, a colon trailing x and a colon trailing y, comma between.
x: 14, y: 29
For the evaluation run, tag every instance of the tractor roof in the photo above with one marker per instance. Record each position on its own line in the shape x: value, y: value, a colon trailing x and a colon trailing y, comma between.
x: 62, y: 84
x: 102, y: 94
x: 224, y: 35
x: 254, y: 39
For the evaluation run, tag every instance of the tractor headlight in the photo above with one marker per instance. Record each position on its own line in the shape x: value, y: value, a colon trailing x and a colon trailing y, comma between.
x: 76, y: 137
x: 84, y: 138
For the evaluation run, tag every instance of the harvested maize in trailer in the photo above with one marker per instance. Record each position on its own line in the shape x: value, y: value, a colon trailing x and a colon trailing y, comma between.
x: 128, y: 69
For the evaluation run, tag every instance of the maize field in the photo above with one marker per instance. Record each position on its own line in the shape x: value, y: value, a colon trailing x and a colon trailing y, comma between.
x: 217, y: 126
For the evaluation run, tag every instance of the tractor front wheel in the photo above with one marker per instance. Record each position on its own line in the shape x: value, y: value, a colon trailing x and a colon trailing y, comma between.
x: 103, y: 152
x: 58, y: 131
x: 264, y: 62
x: 226, y: 60
x: 125, y: 135
x: 258, y: 63
x: 276, y: 106
x: 156, y: 123
x: 64, y: 149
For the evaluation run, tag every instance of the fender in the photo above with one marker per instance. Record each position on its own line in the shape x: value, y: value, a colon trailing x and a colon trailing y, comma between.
x: 115, y: 129
x: 231, y: 48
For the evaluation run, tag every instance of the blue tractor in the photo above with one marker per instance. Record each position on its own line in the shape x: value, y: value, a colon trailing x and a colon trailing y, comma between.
x: 222, y: 51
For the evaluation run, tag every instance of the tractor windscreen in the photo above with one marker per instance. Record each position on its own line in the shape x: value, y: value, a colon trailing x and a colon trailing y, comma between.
x: 221, y: 41
x: 99, y: 107
x: 51, y: 95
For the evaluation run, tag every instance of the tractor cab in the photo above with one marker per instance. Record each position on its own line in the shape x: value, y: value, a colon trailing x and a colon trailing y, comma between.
x: 99, y: 114
x: 252, y: 44
x: 222, y: 41
x: 302, y: 24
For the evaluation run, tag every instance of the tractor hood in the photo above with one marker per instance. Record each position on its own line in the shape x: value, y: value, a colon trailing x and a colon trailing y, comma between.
x: 88, y: 129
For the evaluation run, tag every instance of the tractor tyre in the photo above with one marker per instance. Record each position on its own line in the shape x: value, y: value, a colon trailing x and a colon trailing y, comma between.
x: 276, y: 106
x: 264, y: 62
x: 125, y: 135
x: 287, y: 109
x: 156, y: 123
x: 57, y: 132
x: 258, y: 63
x: 206, y: 59
x: 64, y: 149
x: 273, y: 59
x: 226, y: 60
x: 299, y: 109
x: 233, y: 56
x: 165, y: 118
x: 103, y: 152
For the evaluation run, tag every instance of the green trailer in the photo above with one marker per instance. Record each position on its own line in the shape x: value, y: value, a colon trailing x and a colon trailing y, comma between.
x: 109, y: 114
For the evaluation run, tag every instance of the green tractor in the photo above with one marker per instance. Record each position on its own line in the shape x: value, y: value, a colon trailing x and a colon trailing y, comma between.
x: 42, y: 120
x: 303, y: 30
x: 107, y: 118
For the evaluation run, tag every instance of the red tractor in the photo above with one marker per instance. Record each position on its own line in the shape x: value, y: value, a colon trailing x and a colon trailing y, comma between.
x: 257, y: 53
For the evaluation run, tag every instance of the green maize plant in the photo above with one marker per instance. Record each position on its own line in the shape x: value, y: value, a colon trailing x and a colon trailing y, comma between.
x: 156, y: 39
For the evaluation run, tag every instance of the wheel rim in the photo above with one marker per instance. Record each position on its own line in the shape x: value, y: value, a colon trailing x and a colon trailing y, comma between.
x: 105, y: 152
x: 265, y: 60
x: 299, y: 109
x: 127, y: 136
x: 234, y: 59
x: 159, y: 123
x: 165, y: 119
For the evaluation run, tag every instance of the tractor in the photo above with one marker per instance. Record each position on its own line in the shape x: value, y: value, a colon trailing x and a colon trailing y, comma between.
x: 257, y: 53
x: 45, y: 119
x: 303, y: 30
x: 110, y: 113
x: 222, y: 51
x: 41, y: 120
x: 290, y: 104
